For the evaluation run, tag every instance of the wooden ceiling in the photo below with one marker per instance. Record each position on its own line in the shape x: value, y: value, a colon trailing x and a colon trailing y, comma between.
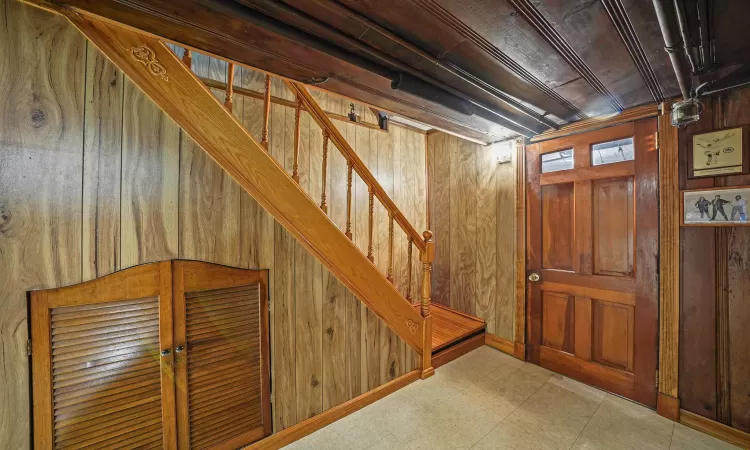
x: 485, y: 69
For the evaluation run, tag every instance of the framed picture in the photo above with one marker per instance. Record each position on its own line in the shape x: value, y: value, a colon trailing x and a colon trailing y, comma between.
x: 716, y: 207
x: 718, y: 153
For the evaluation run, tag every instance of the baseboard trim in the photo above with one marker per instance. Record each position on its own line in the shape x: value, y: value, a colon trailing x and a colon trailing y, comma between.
x: 668, y: 406
x: 498, y: 343
x: 715, y: 429
x: 457, y: 350
x: 302, y: 429
x: 519, y: 350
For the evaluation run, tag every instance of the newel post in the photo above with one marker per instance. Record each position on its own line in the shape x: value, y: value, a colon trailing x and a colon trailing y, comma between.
x: 427, y: 257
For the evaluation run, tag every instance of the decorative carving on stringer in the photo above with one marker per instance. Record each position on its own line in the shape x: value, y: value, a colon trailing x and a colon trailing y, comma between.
x: 412, y: 325
x: 146, y: 56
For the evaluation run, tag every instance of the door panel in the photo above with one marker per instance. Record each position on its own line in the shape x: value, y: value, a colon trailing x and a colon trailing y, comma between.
x: 592, y: 239
x: 557, y: 237
x: 613, y: 227
x: 612, y: 342
x: 223, y: 367
x: 558, y: 321
x: 99, y: 379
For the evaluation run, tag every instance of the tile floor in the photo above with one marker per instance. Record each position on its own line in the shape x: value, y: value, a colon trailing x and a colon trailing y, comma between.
x: 489, y: 400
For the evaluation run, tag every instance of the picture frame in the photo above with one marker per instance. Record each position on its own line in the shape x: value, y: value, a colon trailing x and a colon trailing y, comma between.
x: 720, y: 152
x: 698, y: 207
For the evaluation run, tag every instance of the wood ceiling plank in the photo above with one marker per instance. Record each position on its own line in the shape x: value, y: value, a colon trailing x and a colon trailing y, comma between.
x: 583, y: 33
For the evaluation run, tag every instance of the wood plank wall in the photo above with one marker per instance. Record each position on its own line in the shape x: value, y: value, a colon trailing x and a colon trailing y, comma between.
x: 714, y: 374
x: 95, y: 178
x: 472, y: 214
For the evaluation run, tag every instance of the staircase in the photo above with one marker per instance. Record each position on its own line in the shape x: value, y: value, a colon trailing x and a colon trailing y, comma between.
x: 170, y: 83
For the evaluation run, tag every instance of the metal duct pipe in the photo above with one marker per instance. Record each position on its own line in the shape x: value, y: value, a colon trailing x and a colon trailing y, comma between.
x: 673, y: 44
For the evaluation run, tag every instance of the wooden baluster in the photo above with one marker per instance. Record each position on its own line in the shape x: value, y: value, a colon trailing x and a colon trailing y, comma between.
x: 187, y: 58
x: 295, y: 166
x: 323, y: 204
x: 349, y: 200
x: 369, y: 239
x: 409, y: 269
x: 389, y: 275
x: 230, y: 87
x: 427, y: 257
x: 266, y: 112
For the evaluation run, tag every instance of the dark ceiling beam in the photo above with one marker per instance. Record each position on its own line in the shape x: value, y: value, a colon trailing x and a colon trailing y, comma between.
x: 537, y: 20
x: 450, y: 68
x: 467, y: 33
x: 624, y: 27
x: 518, y: 123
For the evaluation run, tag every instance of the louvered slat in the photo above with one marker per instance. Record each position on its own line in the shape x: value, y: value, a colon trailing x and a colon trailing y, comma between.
x: 106, y: 375
x: 223, y: 363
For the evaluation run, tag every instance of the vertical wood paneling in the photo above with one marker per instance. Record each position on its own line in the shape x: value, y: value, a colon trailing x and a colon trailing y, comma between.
x: 440, y: 210
x: 41, y: 152
x: 463, y: 229
x: 308, y: 300
x: 101, y: 166
x: 473, y: 218
x: 353, y: 308
x: 486, y: 236
x: 506, y: 247
x: 150, y: 172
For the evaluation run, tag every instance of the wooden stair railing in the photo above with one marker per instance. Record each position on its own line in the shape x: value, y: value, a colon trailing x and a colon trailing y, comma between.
x: 162, y: 76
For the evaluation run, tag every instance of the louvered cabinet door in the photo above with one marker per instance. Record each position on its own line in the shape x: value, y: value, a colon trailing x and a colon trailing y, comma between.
x: 221, y: 333
x: 99, y: 379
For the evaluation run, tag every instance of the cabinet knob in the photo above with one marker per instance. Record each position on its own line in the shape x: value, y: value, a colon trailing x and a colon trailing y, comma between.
x: 179, y: 349
x: 165, y: 352
x: 534, y: 277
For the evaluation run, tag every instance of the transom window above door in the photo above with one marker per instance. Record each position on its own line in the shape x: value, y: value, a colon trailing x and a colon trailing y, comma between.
x: 612, y: 152
x: 557, y: 161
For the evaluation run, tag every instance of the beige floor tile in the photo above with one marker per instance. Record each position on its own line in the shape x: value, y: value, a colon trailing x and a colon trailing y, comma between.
x: 389, y: 442
x: 621, y: 424
x: 555, y: 414
x: 489, y: 400
x: 507, y: 436
x: 684, y: 438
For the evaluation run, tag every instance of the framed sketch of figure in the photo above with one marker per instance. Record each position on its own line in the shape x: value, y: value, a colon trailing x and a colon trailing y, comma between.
x: 718, y: 153
x: 726, y: 206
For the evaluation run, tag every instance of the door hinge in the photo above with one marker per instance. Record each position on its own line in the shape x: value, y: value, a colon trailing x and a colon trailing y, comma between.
x: 657, y: 379
x: 28, y: 347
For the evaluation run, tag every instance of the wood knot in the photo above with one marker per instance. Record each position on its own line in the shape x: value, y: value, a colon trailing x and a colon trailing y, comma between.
x: 329, y: 332
x: 5, y: 217
x: 392, y: 370
x: 314, y: 381
x: 332, y: 299
x: 37, y: 118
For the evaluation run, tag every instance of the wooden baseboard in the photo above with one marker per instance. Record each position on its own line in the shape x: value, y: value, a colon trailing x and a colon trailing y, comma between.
x: 668, y: 406
x: 499, y: 343
x: 519, y: 350
x: 302, y: 429
x: 715, y: 429
x: 457, y: 350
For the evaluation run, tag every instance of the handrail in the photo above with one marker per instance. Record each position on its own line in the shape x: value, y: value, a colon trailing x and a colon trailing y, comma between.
x: 317, y: 113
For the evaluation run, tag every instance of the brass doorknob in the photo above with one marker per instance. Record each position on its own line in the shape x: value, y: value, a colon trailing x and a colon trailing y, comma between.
x: 179, y: 349
x: 534, y: 277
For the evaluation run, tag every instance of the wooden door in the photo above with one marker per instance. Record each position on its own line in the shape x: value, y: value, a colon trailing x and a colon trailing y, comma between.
x: 592, y: 243
x: 102, y: 368
x: 222, y: 355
